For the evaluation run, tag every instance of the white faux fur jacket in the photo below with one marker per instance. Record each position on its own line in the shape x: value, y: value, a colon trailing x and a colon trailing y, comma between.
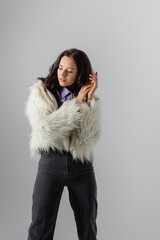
x: 72, y: 127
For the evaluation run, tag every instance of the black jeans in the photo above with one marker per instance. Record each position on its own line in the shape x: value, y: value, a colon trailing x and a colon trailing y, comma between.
x: 56, y: 170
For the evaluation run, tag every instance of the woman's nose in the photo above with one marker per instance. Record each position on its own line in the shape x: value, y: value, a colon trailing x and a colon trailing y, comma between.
x: 64, y: 73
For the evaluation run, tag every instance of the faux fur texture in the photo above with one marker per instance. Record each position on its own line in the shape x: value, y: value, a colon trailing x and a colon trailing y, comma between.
x: 72, y: 127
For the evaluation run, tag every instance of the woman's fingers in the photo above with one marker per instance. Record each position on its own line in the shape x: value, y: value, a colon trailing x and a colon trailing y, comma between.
x: 88, y: 83
x: 83, y: 92
x: 90, y: 87
x: 94, y: 76
x: 86, y: 87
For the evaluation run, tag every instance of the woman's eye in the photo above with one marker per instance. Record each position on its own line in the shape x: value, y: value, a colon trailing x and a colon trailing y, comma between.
x: 62, y: 69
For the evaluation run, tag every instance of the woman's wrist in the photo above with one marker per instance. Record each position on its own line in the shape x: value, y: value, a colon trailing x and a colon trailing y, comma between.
x: 89, y: 101
x: 89, y: 98
x: 82, y: 100
x: 85, y: 99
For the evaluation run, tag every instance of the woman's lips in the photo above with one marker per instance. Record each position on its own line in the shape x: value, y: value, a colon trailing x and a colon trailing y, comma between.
x: 62, y: 80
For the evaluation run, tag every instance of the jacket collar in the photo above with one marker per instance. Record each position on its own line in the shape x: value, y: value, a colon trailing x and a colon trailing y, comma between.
x: 63, y: 92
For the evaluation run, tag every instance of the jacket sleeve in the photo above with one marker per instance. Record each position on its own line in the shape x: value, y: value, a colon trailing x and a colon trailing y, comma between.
x: 90, y: 127
x: 48, y: 121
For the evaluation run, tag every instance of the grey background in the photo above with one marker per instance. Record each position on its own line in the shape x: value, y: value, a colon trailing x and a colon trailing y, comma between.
x: 121, y: 38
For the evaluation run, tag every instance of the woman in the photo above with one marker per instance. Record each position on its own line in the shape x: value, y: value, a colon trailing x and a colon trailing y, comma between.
x: 64, y: 115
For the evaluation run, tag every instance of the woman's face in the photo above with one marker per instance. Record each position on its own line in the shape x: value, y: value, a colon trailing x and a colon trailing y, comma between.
x: 67, y: 71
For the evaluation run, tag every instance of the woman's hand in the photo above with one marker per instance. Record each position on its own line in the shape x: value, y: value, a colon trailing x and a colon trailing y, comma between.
x: 82, y: 95
x: 87, y: 91
x: 94, y: 83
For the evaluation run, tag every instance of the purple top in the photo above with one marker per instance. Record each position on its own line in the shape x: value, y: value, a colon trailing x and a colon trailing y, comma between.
x: 64, y: 94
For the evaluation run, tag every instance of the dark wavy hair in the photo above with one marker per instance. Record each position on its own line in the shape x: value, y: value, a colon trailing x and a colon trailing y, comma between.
x: 84, y: 69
